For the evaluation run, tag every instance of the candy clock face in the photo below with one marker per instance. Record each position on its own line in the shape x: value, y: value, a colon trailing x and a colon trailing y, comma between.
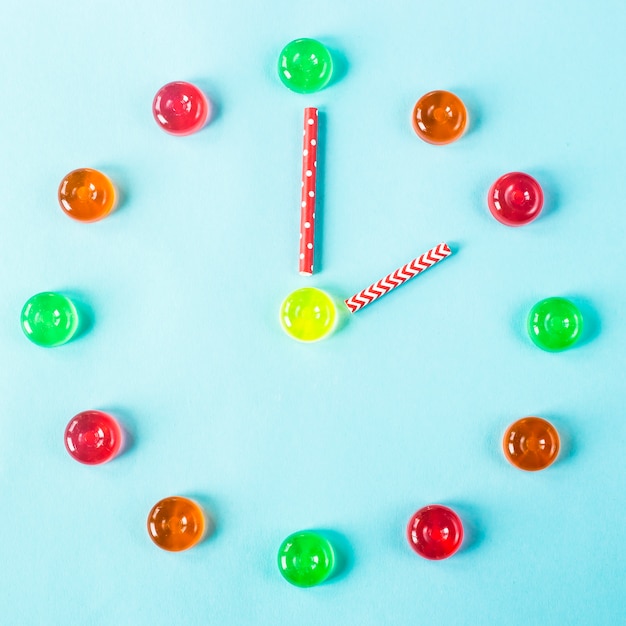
x: 258, y: 450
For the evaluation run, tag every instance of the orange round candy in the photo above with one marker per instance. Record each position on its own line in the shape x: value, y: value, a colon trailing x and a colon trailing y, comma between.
x: 87, y: 195
x: 439, y: 117
x: 176, y: 524
x: 531, y: 444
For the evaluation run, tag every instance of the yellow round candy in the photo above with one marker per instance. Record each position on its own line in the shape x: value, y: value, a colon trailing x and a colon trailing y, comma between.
x: 308, y: 314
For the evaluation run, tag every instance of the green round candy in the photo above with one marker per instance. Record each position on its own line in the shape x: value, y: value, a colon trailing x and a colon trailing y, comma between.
x: 308, y: 314
x: 49, y: 319
x: 555, y: 324
x: 306, y: 559
x: 305, y: 66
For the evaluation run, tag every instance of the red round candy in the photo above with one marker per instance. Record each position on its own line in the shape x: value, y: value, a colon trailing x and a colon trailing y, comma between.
x: 180, y: 108
x: 93, y: 437
x: 515, y: 199
x: 435, y: 532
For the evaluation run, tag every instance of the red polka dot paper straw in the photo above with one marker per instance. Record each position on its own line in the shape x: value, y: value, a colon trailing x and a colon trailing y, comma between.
x: 309, y: 183
x: 395, y: 279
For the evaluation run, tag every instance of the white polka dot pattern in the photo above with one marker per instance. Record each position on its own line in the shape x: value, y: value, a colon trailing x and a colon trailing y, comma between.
x: 309, y: 183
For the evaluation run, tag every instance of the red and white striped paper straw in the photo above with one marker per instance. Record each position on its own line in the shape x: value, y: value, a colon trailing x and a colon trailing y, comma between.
x: 309, y: 184
x: 395, y: 279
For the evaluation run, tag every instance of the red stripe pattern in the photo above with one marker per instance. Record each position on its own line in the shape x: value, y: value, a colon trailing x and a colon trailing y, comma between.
x: 395, y: 279
x: 309, y: 190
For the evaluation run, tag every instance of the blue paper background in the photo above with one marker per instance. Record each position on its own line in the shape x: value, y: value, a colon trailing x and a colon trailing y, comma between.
x: 403, y: 407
